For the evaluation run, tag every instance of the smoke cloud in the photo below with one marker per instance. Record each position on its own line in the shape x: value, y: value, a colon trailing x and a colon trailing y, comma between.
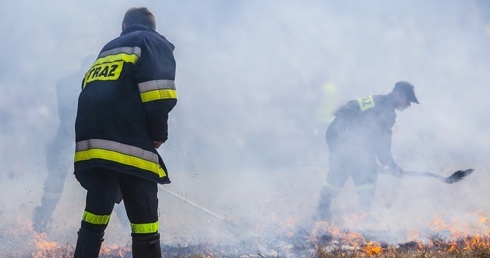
x: 257, y: 82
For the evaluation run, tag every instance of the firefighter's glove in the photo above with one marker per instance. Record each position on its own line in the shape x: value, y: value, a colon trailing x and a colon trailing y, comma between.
x: 157, y: 144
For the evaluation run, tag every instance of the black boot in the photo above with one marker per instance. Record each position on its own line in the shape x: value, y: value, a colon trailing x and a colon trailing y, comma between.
x: 88, y: 244
x: 147, y: 246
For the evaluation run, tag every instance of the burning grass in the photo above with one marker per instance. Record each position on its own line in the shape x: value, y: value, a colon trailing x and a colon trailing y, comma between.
x: 445, y: 240
x: 474, y: 247
x: 325, y: 240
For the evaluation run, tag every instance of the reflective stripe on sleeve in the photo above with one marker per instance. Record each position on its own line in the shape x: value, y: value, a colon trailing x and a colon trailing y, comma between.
x: 95, y: 219
x: 158, y: 94
x: 120, y: 153
x: 157, y: 90
x: 157, y: 84
x: 144, y: 228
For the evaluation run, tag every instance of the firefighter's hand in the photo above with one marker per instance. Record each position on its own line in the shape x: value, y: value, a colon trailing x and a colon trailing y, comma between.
x: 157, y: 144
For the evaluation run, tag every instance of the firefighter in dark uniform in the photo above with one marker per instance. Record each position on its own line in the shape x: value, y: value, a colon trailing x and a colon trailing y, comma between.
x: 359, y: 143
x: 121, y: 120
x: 58, y: 160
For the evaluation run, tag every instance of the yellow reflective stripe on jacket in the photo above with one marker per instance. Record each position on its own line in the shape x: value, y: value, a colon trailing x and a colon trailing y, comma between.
x: 110, y: 63
x: 128, y: 58
x: 158, y: 94
x: 120, y: 158
x: 157, y: 89
x: 365, y: 187
x: 366, y: 103
x: 95, y: 219
x: 144, y: 228
x: 120, y: 153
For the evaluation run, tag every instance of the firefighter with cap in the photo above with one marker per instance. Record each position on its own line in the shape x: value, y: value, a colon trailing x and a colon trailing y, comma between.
x: 121, y: 121
x: 359, y: 143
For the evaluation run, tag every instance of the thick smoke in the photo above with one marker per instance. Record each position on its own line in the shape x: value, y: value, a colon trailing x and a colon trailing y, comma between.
x: 257, y: 83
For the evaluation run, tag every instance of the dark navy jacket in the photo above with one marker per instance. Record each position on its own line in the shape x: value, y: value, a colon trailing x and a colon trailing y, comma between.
x: 124, y: 104
x: 365, y: 126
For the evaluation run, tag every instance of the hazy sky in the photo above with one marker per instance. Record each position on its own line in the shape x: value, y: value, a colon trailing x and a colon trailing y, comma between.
x: 256, y: 83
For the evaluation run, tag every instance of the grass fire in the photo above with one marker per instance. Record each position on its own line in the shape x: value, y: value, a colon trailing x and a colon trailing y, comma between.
x: 468, y: 236
x: 267, y: 224
x: 258, y: 85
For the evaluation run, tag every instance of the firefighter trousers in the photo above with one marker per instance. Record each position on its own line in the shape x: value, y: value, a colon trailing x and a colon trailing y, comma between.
x: 106, y: 187
x: 347, y: 161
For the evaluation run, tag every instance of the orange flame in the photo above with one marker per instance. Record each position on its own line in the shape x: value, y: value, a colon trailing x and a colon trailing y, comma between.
x: 46, y: 247
x: 114, y: 250
x: 373, y: 248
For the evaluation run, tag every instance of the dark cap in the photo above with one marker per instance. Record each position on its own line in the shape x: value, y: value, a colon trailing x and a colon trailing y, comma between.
x: 407, y: 89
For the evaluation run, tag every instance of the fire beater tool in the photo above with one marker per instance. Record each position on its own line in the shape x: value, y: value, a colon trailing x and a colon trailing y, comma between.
x: 195, y: 205
x: 455, y: 177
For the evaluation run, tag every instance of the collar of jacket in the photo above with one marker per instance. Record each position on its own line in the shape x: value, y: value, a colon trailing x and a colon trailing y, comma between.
x: 136, y: 27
